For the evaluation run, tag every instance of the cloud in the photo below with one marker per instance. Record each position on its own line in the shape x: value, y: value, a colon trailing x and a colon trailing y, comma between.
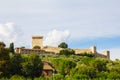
x: 9, y: 32
x: 55, y: 37
x: 115, y: 53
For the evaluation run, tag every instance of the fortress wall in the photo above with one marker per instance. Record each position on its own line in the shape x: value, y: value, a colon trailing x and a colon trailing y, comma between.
x: 89, y: 51
x: 107, y: 54
x: 100, y: 55
x: 52, y: 49
x: 57, y: 50
x: 28, y: 51
x: 78, y: 51
x: 38, y: 41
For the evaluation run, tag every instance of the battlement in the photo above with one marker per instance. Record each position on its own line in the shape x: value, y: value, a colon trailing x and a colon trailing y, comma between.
x: 37, y: 37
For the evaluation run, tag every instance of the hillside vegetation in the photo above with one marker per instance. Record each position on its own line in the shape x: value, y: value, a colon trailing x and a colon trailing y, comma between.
x: 67, y: 67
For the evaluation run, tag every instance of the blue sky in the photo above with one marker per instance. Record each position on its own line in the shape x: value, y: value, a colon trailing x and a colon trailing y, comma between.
x: 81, y: 23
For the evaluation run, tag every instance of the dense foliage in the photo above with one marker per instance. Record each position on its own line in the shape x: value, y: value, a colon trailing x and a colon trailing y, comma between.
x: 32, y: 66
x: 63, y: 45
x: 67, y: 52
x: 11, y: 47
x: 72, y: 67
x: 36, y: 47
x: 4, y: 61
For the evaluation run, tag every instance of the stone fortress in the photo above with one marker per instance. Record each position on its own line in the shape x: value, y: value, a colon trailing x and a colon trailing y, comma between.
x: 38, y: 41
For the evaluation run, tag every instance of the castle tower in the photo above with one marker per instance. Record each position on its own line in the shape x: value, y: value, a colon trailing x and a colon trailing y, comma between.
x: 107, y: 54
x: 93, y: 49
x: 37, y: 41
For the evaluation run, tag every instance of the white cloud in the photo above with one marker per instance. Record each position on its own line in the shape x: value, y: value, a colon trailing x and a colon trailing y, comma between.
x: 55, y: 37
x: 9, y: 32
x: 115, y: 53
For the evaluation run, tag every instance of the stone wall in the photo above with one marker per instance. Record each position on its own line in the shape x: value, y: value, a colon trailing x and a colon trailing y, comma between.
x: 52, y: 49
x: 56, y: 50
x: 28, y: 51
x: 78, y: 51
x: 38, y: 41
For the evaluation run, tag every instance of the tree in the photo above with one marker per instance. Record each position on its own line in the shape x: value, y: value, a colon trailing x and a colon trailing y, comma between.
x: 16, y: 66
x: 11, y: 47
x: 4, y: 60
x: 84, y: 71
x: 2, y: 45
x: 32, y: 66
x: 22, y: 47
x: 67, y: 52
x: 63, y: 66
x: 114, y: 66
x: 99, y: 64
x: 36, y: 47
x: 63, y: 45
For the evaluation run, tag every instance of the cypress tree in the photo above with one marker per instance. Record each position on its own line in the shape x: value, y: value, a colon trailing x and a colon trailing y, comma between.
x: 11, y: 48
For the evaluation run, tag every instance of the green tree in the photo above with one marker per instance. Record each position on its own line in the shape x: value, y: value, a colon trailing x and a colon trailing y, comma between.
x: 71, y: 51
x: 99, y: 64
x: 2, y: 45
x: 17, y: 77
x: 22, y: 47
x: 16, y: 66
x: 32, y: 66
x: 79, y: 77
x: 63, y: 66
x: 11, y: 47
x: 102, y: 75
x: 63, y: 45
x: 84, y: 71
x: 36, y: 47
x: 67, y: 52
x: 114, y: 76
x: 64, y: 52
x: 4, y: 60
x: 114, y: 66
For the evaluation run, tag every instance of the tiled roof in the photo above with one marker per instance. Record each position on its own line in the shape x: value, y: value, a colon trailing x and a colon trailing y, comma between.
x: 46, y: 66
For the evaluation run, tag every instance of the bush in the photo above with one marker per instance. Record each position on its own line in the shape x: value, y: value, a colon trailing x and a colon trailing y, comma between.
x: 4, y: 78
x: 67, y: 52
x: 63, y: 45
x: 17, y: 77
x: 32, y: 66
x: 113, y: 75
x: 36, y: 47
x: 40, y: 78
x: 80, y: 77
x: 86, y: 54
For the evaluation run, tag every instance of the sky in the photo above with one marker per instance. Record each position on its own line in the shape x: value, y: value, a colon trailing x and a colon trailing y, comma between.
x: 79, y: 23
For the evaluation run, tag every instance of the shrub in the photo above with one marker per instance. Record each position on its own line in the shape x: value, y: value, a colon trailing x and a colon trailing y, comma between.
x: 17, y: 77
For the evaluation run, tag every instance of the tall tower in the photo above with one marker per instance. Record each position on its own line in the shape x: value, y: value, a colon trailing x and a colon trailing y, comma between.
x: 37, y: 41
x: 93, y: 49
x: 107, y: 54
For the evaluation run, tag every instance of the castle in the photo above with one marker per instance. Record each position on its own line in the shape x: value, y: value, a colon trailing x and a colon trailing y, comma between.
x: 38, y: 41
